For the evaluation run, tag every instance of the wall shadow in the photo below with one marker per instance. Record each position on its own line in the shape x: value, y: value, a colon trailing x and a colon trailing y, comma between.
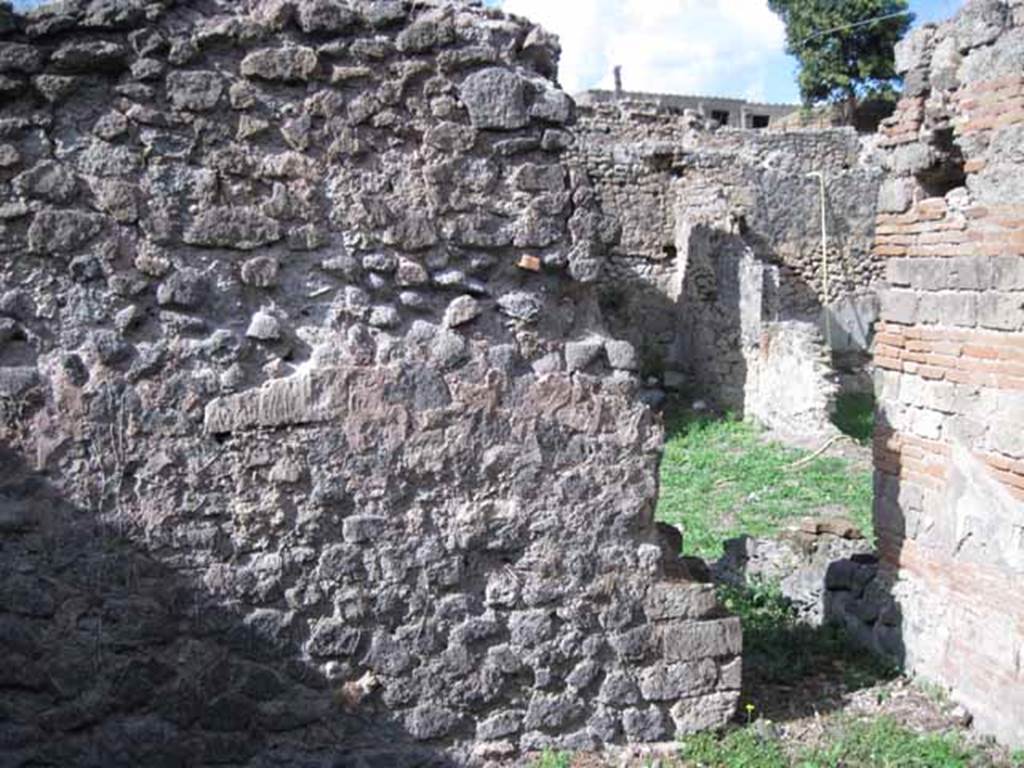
x: 799, y: 669
x: 793, y: 669
x: 112, y: 658
x: 721, y: 311
x: 862, y: 598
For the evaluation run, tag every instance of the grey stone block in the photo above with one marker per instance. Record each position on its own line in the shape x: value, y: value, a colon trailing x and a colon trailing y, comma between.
x: 913, y: 51
x: 644, y: 725
x: 622, y: 355
x: 59, y: 233
x: 500, y: 724
x: 232, y: 227
x: 895, y: 195
x: 899, y: 272
x: 899, y: 306
x: 929, y: 274
x: 680, y: 600
x: 971, y: 273
x: 910, y: 159
x: 1007, y: 273
x: 264, y: 327
x: 495, y: 98
x: 619, y: 689
x: 462, y: 310
x: 333, y: 638
x: 530, y: 628
x: 690, y: 640
x: 324, y: 17
x: 1001, y: 311
x: 551, y: 711
x: 197, y: 91
x: 949, y: 308
x: 429, y: 31
x: 430, y: 721
x: 701, y: 713
x: 360, y: 529
x: 289, y: 64
x: 669, y: 682
x: 633, y: 644
x: 580, y: 354
x: 521, y: 305
x: 552, y: 105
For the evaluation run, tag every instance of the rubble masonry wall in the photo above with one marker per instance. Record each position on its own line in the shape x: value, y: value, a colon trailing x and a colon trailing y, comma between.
x: 316, y: 449
x: 715, y: 268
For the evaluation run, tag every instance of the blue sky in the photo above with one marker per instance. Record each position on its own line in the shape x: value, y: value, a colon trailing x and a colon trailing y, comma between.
x: 709, y: 47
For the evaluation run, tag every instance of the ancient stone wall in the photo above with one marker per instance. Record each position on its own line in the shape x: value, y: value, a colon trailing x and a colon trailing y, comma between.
x: 315, y: 448
x: 950, y: 352
x: 724, y: 111
x: 716, y: 269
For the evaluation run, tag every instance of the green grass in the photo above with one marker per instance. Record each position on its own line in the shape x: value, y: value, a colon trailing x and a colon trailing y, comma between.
x: 855, y: 416
x: 551, y: 759
x: 742, y: 748
x: 720, y: 479
x: 780, y: 652
x: 875, y: 743
x: 939, y: 694
x: 883, y: 743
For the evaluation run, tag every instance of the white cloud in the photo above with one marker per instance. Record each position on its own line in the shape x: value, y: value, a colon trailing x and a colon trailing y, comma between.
x: 711, y: 47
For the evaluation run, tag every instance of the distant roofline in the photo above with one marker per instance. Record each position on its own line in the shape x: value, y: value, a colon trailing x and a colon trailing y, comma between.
x: 646, y: 96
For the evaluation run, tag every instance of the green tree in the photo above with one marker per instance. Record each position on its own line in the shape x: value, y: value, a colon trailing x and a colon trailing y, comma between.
x: 845, y: 47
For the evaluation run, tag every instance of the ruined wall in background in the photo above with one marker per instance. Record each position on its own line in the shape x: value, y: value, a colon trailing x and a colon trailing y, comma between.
x: 716, y: 267
x: 314, y: 446
x: 950, y: 353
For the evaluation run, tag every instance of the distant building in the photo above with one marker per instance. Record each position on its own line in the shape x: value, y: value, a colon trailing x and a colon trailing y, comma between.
x: 735, y: 113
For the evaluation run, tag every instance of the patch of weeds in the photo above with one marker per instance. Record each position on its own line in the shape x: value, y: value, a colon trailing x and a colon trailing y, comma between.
x: 875, y: 743
x: 779, y: 649
x: 855, y: 415
x: 1017, y: 758
x: 742, y: 748
x: 549, y: 758
x: 883, y: 743
x: 719, y: 479
x: 938, y: 694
